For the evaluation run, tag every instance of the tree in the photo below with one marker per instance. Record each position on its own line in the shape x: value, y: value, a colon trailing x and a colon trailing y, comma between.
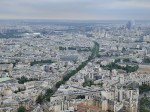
x: 49, y: 91
x: 22, y: 80
x: 110, y: 111
x: 100, y: 84
x: 113, y: 65
x: 144, y: 88
x: 146, y: 60
x: 40, y: 99
x: 88, y: 83
x: 80, y: 97
x: 58, y: 84
x: 41, y: 62
x: 123, y: 49
x: 21, y: 109
x: 94, y: 53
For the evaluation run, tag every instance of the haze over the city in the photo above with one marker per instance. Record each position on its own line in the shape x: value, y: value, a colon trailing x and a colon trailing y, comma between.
x: 75, y: 9
x: 74, y: 55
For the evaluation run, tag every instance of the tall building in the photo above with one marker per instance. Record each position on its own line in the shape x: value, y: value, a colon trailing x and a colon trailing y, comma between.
x: 130, y: 24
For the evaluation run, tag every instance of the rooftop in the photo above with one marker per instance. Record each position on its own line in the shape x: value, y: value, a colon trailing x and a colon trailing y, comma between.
x: 4, y: 79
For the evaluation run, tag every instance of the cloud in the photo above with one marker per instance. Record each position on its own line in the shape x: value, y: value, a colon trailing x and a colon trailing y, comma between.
x: 75, y: 9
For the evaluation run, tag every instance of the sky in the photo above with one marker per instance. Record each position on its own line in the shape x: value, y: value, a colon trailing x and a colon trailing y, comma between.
x: 75, y: 9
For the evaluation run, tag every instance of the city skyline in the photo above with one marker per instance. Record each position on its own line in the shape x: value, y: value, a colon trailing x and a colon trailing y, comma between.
x: 75, y: 9
x: 74, y: 56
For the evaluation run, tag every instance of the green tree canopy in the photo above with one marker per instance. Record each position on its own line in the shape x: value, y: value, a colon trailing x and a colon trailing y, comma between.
x: 40, y: 99
x: 21, y: 109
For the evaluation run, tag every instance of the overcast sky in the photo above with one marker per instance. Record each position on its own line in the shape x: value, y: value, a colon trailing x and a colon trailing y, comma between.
x: 75, y: 9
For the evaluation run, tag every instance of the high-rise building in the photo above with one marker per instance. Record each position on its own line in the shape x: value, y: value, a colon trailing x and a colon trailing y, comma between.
x: 130, y: 24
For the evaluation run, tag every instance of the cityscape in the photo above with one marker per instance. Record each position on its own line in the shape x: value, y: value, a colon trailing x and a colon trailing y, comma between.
x: 74, y: 65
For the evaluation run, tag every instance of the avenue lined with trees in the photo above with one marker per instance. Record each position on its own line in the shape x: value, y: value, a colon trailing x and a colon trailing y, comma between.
x: 50, y: 92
